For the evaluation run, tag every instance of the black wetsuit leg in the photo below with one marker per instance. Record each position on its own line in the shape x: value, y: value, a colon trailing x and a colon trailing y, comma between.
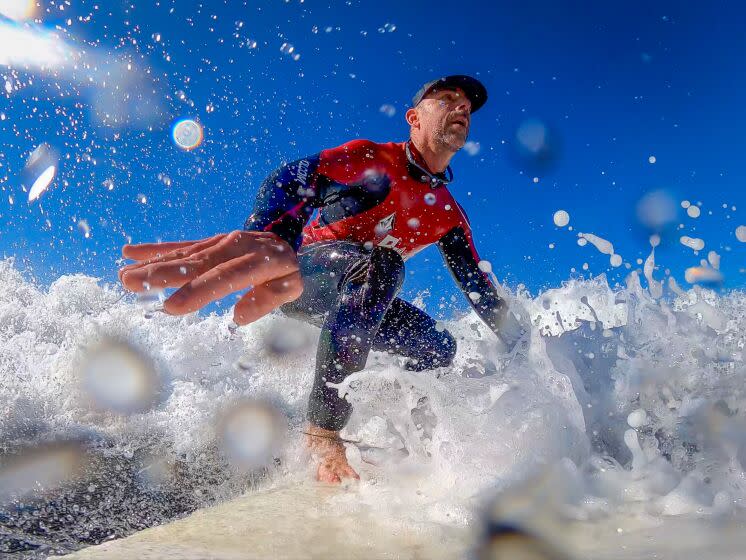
x: 410, y: 332
x: 351, y: 293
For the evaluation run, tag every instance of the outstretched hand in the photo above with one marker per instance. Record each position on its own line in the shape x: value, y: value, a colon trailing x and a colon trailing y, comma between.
x: 211, y: 268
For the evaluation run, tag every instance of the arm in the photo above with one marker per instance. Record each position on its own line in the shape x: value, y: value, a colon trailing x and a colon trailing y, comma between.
x: 286, y: 200
x: 257, y: 257
x: 462, y: 261
x: 287, y: 197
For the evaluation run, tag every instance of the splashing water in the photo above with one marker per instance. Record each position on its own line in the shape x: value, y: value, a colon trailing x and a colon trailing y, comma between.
x: 642, y: 393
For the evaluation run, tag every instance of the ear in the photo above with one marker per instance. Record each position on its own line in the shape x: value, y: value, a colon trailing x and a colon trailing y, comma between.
x: 412, y: 117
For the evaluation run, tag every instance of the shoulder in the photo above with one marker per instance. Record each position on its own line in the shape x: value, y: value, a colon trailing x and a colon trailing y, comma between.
x: 349, y: 160
x: 351, y: 149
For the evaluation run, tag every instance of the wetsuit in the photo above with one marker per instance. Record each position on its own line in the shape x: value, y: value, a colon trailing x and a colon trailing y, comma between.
x: 373, y: 210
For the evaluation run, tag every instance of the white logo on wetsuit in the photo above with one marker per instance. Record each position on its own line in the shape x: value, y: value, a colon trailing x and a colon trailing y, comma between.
x: 390, y: 242
x: 303, y: 166
x: 385, y: 225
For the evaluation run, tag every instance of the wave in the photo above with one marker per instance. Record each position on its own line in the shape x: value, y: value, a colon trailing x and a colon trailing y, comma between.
x: 634, y: 393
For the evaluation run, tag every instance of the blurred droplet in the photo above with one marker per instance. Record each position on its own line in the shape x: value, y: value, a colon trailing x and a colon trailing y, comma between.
x: 85, y: 228
x: 251, y: 433
x: 656, y: 210
x: 287, y: 338
x: 18, y: 10
x: 703, y: 275
x: 536, y: 147
x: 741, y: 234
x: 505, y: 542
x: 244, y: 363
x: 472, y: 148
x: 527, y: 520
x: 388, y: 110
x: 156, y: 471
x: 40, y: 469
x: 188, y: 134
x: 40, y: 170
x: 120, y: 378
x: 430, y: 199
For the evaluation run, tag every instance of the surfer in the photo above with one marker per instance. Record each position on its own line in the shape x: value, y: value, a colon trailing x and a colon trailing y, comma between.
x: 375, y: 206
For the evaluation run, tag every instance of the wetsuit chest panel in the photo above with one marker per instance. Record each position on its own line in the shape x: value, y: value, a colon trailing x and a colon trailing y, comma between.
x: 411, y: 216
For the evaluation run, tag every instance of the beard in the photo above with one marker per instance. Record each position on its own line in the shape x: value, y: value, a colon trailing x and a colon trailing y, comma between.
x: 452, y: 137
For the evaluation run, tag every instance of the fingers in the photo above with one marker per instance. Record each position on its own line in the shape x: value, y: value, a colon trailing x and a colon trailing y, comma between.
x: 173, y: 269
x: 149, y: 253
x: 266, y: 297
x: 145, y: 251
x: 180, y: 266
x: 212, y: 268
x: 253, y: 269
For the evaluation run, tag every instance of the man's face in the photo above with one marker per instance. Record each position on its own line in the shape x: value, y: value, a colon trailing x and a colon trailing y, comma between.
x: 445, y: 115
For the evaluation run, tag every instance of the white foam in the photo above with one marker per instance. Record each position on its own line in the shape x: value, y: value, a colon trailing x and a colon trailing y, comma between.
x: 655, y: 288
x: 597, y: 356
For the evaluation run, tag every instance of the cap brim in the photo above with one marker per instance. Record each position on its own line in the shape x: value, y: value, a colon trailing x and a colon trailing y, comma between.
x: 473, y: 88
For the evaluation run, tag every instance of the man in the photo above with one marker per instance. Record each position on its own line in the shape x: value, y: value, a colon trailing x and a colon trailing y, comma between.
x: 376, y: 205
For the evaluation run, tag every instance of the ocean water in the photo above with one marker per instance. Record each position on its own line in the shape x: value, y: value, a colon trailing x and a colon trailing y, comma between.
x: 619, y: 403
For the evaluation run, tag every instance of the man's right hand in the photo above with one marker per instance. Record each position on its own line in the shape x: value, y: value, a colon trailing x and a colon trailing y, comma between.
x: 210, y: 269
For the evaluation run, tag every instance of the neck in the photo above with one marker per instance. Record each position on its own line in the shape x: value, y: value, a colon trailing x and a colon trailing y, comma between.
x: 435, y: 156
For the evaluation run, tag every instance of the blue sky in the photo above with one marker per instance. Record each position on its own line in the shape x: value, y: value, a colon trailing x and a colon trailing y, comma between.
x: 615, y: 82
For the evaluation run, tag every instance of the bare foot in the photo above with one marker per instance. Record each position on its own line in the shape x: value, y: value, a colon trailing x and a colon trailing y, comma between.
x: 329, y: 450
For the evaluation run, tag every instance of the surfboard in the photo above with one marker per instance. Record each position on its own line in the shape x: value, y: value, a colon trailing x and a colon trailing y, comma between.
x: 307, y: 520
x: 296, y: 521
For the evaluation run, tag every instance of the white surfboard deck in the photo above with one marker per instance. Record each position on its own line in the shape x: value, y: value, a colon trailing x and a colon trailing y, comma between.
x: 309, y: 521
x: 287, y: 522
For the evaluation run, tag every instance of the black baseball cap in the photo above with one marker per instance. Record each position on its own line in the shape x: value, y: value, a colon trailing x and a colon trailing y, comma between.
x: 473, y: 88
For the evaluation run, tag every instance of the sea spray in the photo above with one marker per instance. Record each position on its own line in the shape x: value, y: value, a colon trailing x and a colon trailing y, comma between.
x: 445, y: 438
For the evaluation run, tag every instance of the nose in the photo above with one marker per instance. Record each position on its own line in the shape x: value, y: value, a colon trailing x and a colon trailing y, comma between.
x: 463, y: 105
